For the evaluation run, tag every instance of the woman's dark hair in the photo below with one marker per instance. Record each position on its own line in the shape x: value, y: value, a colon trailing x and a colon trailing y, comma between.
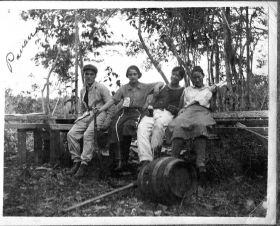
x: 197, y: 69
x: 181, y: 71
x: 133, y: 67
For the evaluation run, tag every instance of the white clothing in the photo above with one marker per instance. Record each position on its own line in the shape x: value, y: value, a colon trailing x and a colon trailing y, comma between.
x: 201, y: 95
x: 83, y: 128
x: 150, y: 133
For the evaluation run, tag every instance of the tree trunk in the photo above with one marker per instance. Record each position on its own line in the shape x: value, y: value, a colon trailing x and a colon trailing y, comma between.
x: 227, y: 48
x: 46, y: 103
x: 154, y: 62
x: 48, y: 110
x: 219, y: 103
x: 217, y: 62
x: 248, y: 71
x: 211, y: 66
x: 76, y: 62
x: 81, y: 67
x: 43, y: 100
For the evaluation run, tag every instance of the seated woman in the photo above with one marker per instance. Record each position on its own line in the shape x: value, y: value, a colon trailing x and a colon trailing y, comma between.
x: 194, y: 119
x: 124, y: 125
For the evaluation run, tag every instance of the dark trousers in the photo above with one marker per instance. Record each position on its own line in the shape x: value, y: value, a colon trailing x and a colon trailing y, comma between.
x: 199, y: 146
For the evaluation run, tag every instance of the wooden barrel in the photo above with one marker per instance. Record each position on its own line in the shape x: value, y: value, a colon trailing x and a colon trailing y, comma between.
x: 167, y: 179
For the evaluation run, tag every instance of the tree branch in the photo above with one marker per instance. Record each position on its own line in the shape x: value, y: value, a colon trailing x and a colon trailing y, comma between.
x: 47, y: 85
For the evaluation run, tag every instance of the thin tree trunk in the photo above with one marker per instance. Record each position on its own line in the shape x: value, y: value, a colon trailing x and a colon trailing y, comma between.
x: 227, y: 47
x: 76, y: 62
x: 248, y: 71
x: 154, y: 62
x: 217, y: 76
x: 46, y: 104
x: 217, y: 63
x: 169, y: 42
x: 81, y: 67
x: 211, y: 65
x: 43, y: 100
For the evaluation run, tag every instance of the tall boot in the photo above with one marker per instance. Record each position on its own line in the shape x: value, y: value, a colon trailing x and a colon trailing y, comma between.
x: 74, y: 168
x: 177, y: 146
x: 118, y: 157
x: 112, y: 157
x: 200, y: 148
x: 125, y: 148
x: 157, y: 152
x: 81, y: 171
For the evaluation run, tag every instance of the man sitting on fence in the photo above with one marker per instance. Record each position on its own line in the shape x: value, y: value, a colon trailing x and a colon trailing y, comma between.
x: 164, y: 106
x: 93, y: 95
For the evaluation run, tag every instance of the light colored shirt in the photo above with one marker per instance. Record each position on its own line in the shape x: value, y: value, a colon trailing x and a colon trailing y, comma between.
x: 98, y: 95
x: 133, y: 96
x: 201, y: 95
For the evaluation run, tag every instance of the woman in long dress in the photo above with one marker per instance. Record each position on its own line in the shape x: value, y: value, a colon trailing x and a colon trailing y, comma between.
x: 194, y: 120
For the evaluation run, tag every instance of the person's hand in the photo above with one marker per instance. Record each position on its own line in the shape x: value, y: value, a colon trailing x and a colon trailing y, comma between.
x: 172, y: 109
x: 158, y: 87
x: 213, y: 88
x: 150, y: 110
x: 96, y: 110
x: 181, y: 111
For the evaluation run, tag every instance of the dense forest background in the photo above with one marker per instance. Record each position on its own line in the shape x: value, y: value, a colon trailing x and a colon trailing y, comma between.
x: 233, y: 41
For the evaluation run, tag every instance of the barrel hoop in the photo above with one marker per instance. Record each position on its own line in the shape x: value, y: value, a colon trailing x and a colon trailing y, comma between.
x: 167, y: 174
x: 157, y: 179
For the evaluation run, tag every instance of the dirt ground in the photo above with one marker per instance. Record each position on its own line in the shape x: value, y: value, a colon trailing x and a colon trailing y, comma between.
x: 236, y: 187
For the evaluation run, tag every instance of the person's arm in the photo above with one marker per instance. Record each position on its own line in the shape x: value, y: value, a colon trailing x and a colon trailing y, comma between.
x: 213, y: 88
x: 157, y: 87
x: 105, y: 93
x: 152, y: 98
x: 109, y: 116
x: 106, y: 106
x: 182, y: 103
x: 116, y: 99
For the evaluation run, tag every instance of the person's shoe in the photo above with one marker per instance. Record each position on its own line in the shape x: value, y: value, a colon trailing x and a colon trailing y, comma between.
x: 81, y: 171
x: 119, y: 166
x: 74, y: 168
x: 202, y: 179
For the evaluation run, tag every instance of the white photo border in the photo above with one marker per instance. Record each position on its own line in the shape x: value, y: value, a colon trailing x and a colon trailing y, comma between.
x: 270, y: 218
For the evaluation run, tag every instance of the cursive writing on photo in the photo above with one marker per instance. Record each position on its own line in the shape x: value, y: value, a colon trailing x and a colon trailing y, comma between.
x: 10, y: 57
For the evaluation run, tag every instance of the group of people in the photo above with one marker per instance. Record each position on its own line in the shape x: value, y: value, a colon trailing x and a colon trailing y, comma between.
x: 181, y: 113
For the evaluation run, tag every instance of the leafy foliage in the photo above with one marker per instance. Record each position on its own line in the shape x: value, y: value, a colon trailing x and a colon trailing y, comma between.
x: 58, y: 29
x: 220, y: 34
x: 23, y: 103
x: 20, y: 104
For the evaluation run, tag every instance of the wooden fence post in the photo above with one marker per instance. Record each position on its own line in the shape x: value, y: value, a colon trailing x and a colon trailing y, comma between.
x: 21, y: 145
x: 38, y: 145
x: 54, y: 145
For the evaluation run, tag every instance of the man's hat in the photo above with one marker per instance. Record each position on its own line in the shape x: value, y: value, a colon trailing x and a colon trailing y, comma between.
x: 90, y: 67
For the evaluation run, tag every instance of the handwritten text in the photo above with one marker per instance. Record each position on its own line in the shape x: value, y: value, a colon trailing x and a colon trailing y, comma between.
x: 10, y: 57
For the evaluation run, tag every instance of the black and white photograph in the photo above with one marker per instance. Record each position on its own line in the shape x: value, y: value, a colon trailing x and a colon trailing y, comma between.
x: 139, y: 112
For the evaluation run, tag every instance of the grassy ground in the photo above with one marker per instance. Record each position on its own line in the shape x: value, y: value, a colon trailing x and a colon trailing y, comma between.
x: 236, y: 187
